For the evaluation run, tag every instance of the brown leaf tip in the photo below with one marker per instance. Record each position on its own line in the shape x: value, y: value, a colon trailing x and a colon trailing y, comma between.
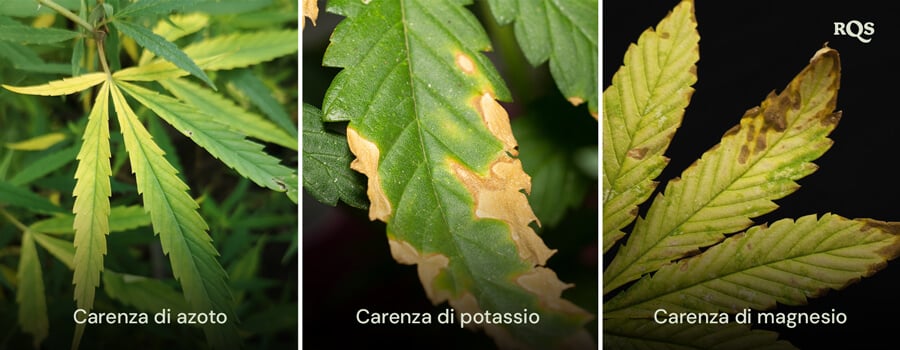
x: 429, y: 266
x: 366, y: 162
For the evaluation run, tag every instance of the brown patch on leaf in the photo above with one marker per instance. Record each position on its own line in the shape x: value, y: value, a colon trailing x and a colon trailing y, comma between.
x: 428, y: 266
x: 311, y: 11
x: 499, y: 196
x: 664, y: 35
x: 366, y: 162
x: 745, y: 153
x: 544, y: 283
x: 497, y: 121
x: 774, y: 109
x: 833, y: 118
x: 575, y: 100
x: 465, y: 63
x: 733, y: 131
x: 637, y: 153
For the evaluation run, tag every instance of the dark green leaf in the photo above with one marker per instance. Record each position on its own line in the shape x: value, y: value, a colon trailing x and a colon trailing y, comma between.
x: 31, y: 35
x: 162, y: 48
x: 23, y: 198
x: 326, y: 164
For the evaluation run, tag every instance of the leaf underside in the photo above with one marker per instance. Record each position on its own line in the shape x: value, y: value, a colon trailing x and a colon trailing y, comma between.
x: 440, y: 160
x: 641, y: 111
x: 756, y: 162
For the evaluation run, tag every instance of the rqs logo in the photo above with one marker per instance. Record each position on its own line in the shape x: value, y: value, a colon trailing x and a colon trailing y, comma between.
x: 855, y: 29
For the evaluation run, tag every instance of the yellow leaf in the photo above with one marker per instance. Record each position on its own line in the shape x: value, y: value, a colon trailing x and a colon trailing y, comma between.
x: 39, y: 143
x: 61, y: 87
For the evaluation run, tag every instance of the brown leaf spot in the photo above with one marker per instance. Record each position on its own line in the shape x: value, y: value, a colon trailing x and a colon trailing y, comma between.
x: 637, y: 153
x: 832, y: 118
x: 664, y: 35
x: 733, y: 131
x: 366, y: 162
x: 465, y: 63
x: 575, y: 100
x: 745, y: 153
x: 499, y: 196
x: 428, y: 266
x: 497, y: 121
x: 775, y: 111
x: 750, y: 113
x: 760, y: 143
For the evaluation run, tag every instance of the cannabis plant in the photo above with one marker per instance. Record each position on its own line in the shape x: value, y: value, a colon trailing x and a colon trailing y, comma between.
x: 693, y: 262
x: 145, y: 96
x: 415, y: 108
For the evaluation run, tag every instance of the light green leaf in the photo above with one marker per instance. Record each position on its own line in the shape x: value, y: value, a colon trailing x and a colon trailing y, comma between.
x: 30, y: 292
x: 44, y: 165
x: 162, y: 48
x: 61, y: 87
x: 326, y: 164
x: 563, y: 31
x: 219, y: 140
x: 755, y: 163
x: 641, y: 111
x: 38, y: 143
x: 647, y: 334
x: 62, y: 250
x: 182, y: 231
x: 23, y: 198
x: 229, y: 113
x: 261, y: 96
x: 155, y: 7
x: 120, y: 219
x: 440, y: 159
x: 145, y: 294
x: 30, y: 35
x: 784, y: 263
x: 220, y: 53
x: 92, y: 192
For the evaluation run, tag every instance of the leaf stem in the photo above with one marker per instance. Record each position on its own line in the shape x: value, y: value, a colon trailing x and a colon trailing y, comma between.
x: 13, y: 220
x: 66, y: 13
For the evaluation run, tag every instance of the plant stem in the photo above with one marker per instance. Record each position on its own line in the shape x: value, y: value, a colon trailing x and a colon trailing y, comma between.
x: 66, y: 13
x: 101, y: 51
x: 13, y: 220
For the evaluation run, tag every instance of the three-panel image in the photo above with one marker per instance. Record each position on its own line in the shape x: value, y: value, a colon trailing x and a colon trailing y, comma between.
x: 447, y: 174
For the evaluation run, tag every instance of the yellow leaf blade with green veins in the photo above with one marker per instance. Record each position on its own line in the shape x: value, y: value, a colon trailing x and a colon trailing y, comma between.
x: 786, y: 263
x: 61, y: 87
x: 92, y: 208
x: 641, y: 111
x: 756, y: 162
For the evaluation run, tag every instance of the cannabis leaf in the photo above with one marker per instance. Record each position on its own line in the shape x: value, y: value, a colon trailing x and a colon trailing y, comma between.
x: 563, y: 32
x: 756, y: 162
x: 440, y: 158
x: 326, y: 164
x: 641, y: 111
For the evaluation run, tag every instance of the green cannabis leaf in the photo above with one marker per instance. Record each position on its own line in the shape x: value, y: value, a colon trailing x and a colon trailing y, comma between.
x: 440, y: 158
x: 563, y: 32
x: 326, y: 164
x: 756, y: 162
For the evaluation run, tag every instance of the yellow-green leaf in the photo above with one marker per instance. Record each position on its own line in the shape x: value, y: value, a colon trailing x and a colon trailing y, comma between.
x: 92, y: 208
x: 181, y: 229
x: 30, y: 292
x: 641, y: 111
x: 647, y: 334
x: 61, y: 87
x: 784, y: 263
x: 38, y: 143
x: 755, y: 163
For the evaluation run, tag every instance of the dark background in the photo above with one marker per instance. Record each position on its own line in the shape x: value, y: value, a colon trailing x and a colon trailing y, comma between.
x: 749, y: 48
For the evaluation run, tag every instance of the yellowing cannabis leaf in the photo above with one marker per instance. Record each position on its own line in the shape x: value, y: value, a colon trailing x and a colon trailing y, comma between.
x: 641, y: 111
